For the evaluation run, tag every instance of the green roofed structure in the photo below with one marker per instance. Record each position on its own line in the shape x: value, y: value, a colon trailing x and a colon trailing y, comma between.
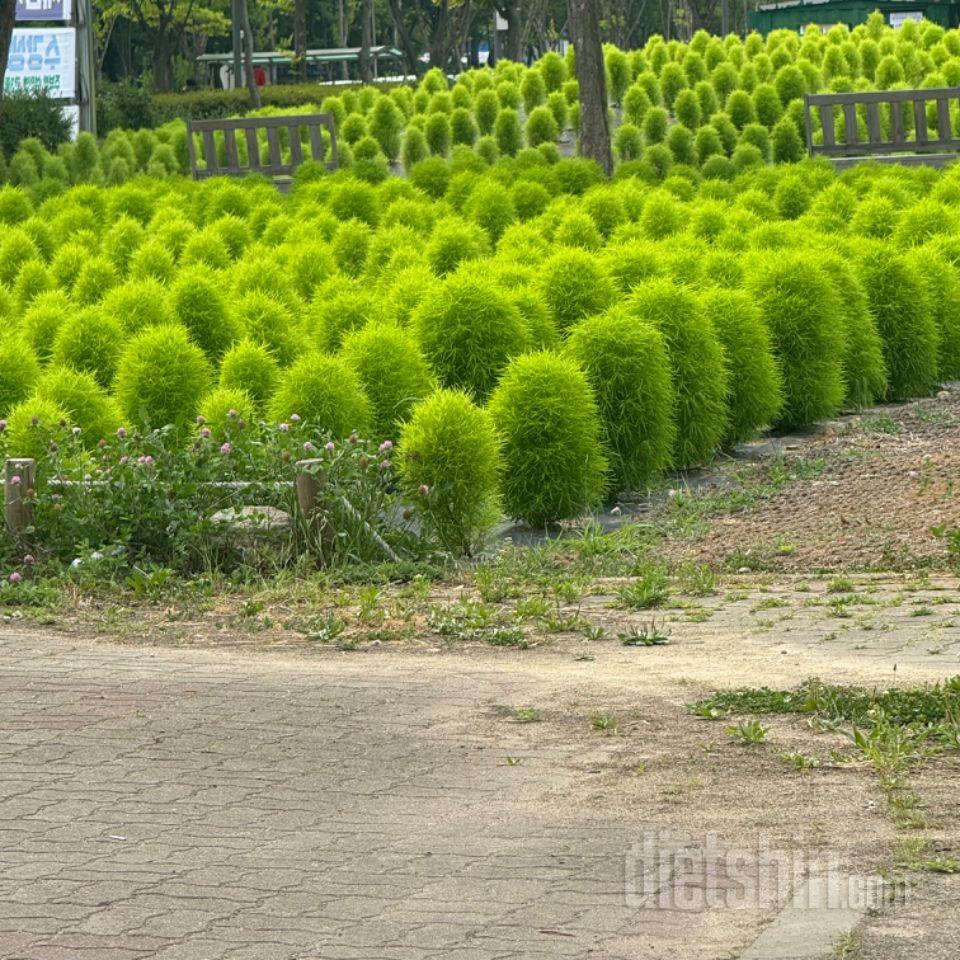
x: 797, y: 14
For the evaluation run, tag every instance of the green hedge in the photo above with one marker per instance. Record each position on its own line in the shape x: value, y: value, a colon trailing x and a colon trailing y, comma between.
x: 213, y: 104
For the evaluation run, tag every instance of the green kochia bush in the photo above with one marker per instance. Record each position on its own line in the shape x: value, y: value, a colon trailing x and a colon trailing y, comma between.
x: 626, y: 363
x: 756, y: 386
x: 449, y: 463
x: 91, y: 341
x: 942, y: 287
x: 864, y: 369
x: 393, y: 371
x: 19, y: 370
x: 160, y: 378
x: 324, y: 391
x: 700, y: 375
x: 32, y: 426
x: 84, y: 401
x: 900, y: 305
x: 227, y: 413
x: 469, y: 329
x: 251, y: 367
x: 199, y: 305
x: 575, y: 286
x: 553, y: 462
x: 802, y: 311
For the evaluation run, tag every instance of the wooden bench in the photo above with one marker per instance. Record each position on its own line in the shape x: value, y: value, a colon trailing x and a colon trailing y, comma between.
x: 283, y: 160
x: 925, y: 148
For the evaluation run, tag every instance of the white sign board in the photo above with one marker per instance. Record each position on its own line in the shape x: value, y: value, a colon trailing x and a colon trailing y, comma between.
x: 42, y: 58
x: 72, y: 113
x: 902, y: 16
x: 44, y: 9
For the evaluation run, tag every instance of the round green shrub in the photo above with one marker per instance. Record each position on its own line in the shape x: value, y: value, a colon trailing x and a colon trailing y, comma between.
x: 490, y: 206
x: 802, y: 311
x: 448, y: 460
x: 196, y: 302
x: 469, y: 329
x: 90, y: 341
x: 687, y: 109
x: 86, y: 404
x: 438, y: 134
x: 541, y: 127
x: 626, y: 362
x: 698, y: 365
x: 19, y: 371
x: 95, y: 278
x: 228, y: 413
x: 414, y: 150
x: 393, y: 371
x: 942, y: 287
x: 766, y: 104
x: 756, y: 386
x: 41, y: 321
x: 577, y: 229
x: 152, y: 261
x: 266, y: 321
x: 655, y: 122
x: 324, y: 391
x: 791, y: 198
x: 628, y: 142
x: 452, y: 242
x: 337, y: 310
x: 137, y: 304
x: 250, y: 366
x: 864, y: 369
x: 898, y: 301
x: 351, y: 247
x: 32, y: 426
x: 786, y: 142
x: 508, y: 132
x: 547, y: 418
x: 574, y: 285
x: 680, y: 142
x: 161, y: 376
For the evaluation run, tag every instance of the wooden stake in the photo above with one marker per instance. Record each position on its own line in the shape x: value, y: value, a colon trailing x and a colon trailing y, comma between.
x: 20, y: 478
x: 310, y: 486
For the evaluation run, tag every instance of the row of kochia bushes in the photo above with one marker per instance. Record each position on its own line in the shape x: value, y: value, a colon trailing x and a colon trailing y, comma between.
x: 708, y: 103
x: 534, y: 357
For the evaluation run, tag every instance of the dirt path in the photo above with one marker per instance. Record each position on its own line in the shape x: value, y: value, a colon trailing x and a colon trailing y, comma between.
x: 172, y: 803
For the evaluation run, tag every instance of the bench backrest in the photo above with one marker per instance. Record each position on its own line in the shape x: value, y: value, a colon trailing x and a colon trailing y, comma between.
x: 898, y: 104
x: 208, y: 163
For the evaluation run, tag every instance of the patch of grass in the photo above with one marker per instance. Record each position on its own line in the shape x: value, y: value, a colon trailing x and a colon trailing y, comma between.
x: 840, y: 585
x: 646, y: 635
x: 647, y: 592
x: 800, y: 761
x: 527, y: 715
x: 605, y: 722
x: 747, y: 732
x: 881, y: 423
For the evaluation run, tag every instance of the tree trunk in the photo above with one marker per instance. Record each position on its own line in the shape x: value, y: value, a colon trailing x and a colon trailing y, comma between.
x: 366, y: 41
x: 8, y: 15
x: 510, y: 11
x: 342, y: 35
x: 300, y: 38
x: 162, y: 61
x: 405, y: 41
x: 584, y: 16
x: 252, y: 87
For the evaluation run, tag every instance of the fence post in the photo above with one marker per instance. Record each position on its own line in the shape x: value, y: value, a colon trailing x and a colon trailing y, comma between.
x: 313, y: 509
x: 20, y: 478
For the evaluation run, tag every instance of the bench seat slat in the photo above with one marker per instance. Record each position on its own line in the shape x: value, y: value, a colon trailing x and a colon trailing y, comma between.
x: 250, y: 129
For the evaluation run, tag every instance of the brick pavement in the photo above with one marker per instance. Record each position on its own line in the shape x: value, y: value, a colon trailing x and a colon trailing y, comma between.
x: 198, y: 805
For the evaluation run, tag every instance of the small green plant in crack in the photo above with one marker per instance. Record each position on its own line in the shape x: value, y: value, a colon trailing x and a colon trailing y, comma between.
x: 326, y: 628
x: 913, y: 854
x: 647, y: 592
x: 527, y: 715
x: 506, y: 637
x: 605, y: 722
x: 840, y: 585
x: 800, y: 761
x: 768, y: 603
x: 592, y: 631
x: 645, y: 635
x: 531, y: 608
x: 881, y: 424
x: 922, y: 611
x: 750, y: 733
x: 697, y: 579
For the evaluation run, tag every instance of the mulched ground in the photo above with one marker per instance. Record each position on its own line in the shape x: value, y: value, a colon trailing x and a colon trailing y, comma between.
x: 888, y: 479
